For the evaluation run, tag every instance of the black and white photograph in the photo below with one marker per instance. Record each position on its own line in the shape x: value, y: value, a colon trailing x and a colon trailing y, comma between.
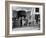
x: 25, y: 18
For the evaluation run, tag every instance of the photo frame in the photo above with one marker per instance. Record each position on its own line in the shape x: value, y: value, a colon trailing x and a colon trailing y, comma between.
x: 24, y: 18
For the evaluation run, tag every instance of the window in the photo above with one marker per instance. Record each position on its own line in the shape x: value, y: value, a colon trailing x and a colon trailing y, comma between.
x: 36, y: 9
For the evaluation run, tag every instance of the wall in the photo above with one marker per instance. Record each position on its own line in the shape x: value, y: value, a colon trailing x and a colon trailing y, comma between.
x: 2, y: 18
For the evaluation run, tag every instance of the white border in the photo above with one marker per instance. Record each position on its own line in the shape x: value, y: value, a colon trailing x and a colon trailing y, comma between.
x: 31, y: 31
